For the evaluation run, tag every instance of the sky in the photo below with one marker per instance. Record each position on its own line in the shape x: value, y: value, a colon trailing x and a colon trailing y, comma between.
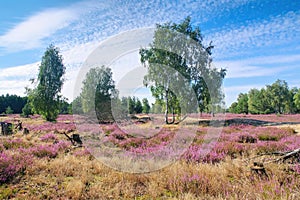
x: 257, y: 41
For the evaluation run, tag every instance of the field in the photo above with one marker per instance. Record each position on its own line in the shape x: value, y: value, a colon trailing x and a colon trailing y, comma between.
x: 45, y: 165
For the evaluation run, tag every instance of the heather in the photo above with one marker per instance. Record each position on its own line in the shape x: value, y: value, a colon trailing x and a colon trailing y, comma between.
x: 45, y: 165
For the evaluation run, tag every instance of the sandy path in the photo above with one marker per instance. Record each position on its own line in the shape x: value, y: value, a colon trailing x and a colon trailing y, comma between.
x: 296, y: 127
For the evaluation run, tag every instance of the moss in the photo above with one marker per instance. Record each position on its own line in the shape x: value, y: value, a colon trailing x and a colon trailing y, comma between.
x: 7, y: 192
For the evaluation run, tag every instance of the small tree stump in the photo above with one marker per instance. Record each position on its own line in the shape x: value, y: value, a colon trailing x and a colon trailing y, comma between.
x: 258, y: 168
x: 6, y: 128
x: 247, y: 139
x: 76, y: 138
x: 25, y: 131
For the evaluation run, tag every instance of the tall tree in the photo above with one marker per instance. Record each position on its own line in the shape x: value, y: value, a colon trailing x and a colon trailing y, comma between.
x: 297, y: 100
x: 138, y: 108
x: 279, y: 92
x: 77, y: 106
x: 259, y: 102
x: 242, y: 103
x: 177, y: 59
x: 97, y: 93
x: 45, y: 98
x: 146, y: 106
x: 233, y: 108
x: 131, y: 105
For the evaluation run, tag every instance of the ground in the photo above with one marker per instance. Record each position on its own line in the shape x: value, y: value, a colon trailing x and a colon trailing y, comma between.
x: 45, y: 165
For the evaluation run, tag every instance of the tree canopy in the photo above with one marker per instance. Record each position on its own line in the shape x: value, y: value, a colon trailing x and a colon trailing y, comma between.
x: 176, y: 60
x: 16, y: 103
x: 274, y: 98
x: 97, y: 93
x: 45, y: 98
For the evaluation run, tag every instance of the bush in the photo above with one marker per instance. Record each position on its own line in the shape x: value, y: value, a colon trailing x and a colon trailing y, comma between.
x: 9, y: 110
x: 12, y: 165
x: 27, y: 110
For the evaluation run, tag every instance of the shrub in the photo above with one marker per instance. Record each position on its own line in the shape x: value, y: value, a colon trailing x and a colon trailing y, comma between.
x: 12, y: 165
x: 48, y: 137
x: 266, y: 137
x: 44, y: 151
x: 14, y: 143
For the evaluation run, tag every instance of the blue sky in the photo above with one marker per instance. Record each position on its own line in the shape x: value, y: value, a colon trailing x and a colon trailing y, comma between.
x: 257, y: 41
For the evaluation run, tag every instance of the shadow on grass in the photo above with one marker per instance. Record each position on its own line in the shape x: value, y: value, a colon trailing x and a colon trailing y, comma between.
x: 243, y: 121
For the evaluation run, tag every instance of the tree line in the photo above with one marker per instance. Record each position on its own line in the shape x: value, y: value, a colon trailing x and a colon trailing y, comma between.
x: 11, y: 104
x: 274, y: 98
x: 179, y: 66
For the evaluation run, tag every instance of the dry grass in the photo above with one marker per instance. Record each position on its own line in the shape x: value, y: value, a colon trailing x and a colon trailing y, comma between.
x: 295, y: 127
x: 70, y: 176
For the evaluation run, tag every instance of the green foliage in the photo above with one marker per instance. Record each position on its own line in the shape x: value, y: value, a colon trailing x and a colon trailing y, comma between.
x: 279, y: 92
x: 64, y: 107
x: 233, y: 108
x: 177, y: 59
x: 259, y: 102
x: 157, y: 107
x: 241, y: 106
x: 9, y: 110
x: 97, y: 93
x: 27, y: 110
x: 146, y: 106
x: 16, y: 103
x: 296, y: 99
x: 138, y: 106
x: 131, y: 105
x: 76, y: 106
x: 275, y: 98
x: 45, y: 98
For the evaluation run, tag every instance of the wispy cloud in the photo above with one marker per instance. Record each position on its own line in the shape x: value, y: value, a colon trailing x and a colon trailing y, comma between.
x: 29, y: 33
x: 15, y: 87
x: 260, y: 65
x: 278, y: 30
x: 274, y: 59
x: 79, y: 29
x: 19, y: 71
x: 14, y: 79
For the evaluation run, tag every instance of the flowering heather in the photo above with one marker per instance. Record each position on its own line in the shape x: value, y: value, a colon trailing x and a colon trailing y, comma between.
x: 65, y: 118
x: 62, y: 145
x: 242, y: 140
x: 44, y: 151
x: 266, y: 118
x: 48, y: 137
x: 50, y: 126
x: 47, y: 150
x: 296, y: 168
x: 12, y: 164
x: 81, y: 152
x: 13, y: 143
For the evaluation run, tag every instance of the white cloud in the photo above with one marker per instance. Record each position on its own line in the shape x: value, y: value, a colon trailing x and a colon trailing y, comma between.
x: 241, y: 70
x: 274, y: 59
x: 13, y: 80
x: 29, y: 33
x: 259, y: 66
x: 104, y: 20
x: 19, y: 71
x: 276, y: 31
